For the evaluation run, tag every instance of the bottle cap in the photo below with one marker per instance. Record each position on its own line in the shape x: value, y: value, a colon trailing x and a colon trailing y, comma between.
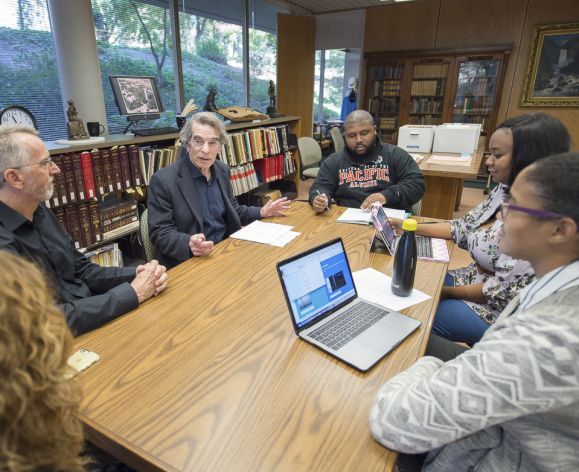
x: 409, y: 225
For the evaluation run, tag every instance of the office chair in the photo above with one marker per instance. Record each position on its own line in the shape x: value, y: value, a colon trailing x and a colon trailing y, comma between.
x: 310, y: 157
x: 147, y: 244
x: 337, y: 138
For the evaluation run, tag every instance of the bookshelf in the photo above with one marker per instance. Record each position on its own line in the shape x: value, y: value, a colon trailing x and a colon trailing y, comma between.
x: 431, y: 87
x: 102, y: 187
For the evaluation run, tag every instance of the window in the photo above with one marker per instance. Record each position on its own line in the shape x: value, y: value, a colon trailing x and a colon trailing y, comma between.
x: 134, y: 37
x: 329, y: 84
x: 212, y: 50
x: 28, y: 65
x: 262, y: 52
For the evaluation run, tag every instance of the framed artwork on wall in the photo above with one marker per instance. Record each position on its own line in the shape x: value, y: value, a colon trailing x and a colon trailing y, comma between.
x: 552, y: 77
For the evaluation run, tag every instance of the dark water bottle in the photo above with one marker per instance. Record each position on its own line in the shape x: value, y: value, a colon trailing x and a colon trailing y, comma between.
x: 405, y: 260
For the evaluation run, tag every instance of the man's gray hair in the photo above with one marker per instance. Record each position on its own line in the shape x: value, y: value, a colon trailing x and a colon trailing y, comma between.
x: 13, y: 151
x: 204, y: 118
x: 358, y: 116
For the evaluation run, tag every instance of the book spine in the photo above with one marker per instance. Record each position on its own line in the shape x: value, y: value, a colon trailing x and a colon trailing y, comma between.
x: 113, y: 233
x: 59, y: 213
x: 107, y: 170
x: 95, y: 221
x: 69, y: 179
x: 134, y: 165
x: 73, y: 225
x: 125, y: 167
x: 87, y: 173
x: 97, y: 169
x: 116, y: 168
x: 85, y: 225
x: 78, y: 177
x: 122, y: 208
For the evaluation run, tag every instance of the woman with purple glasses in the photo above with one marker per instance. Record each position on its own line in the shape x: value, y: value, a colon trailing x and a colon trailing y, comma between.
x: 473, y: 296
x: 512, y: 401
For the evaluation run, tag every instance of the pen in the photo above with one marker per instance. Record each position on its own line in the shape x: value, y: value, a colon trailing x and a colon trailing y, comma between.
x: 327, y: 207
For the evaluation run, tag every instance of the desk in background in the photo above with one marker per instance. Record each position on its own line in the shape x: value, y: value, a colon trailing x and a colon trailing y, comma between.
x: 211, y: 376
x: 444, y: 184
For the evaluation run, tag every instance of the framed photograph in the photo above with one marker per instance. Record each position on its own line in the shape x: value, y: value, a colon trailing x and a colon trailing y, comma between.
x: 553, y: 73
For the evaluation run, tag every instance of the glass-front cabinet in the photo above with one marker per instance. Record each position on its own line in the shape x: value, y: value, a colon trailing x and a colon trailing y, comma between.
x: 476, y: 92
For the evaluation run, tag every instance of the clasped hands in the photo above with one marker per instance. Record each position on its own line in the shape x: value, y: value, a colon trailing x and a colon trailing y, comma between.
x: 150, y: 280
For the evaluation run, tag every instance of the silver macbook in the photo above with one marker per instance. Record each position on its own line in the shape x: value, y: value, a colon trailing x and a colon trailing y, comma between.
x: 326, y: 311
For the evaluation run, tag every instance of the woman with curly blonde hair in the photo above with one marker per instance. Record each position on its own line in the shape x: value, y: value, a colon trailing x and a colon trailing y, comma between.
x: 39, y: 429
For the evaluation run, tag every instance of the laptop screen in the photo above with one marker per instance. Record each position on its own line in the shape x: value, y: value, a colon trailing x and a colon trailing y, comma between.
x: 316, y: 282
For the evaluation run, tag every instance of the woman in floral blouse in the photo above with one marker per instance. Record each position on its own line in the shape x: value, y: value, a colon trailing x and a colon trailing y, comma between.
x: 474, y: 296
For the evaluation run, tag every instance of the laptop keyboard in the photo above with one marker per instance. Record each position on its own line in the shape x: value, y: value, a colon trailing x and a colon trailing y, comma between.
x: 349, y: 324
x: 424, y: 246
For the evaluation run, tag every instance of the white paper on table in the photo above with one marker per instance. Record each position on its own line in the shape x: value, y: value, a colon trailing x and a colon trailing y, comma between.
x: 285, y: 239
x: 375, y: 286
x: 464, y: 160
x: 260, y: 232
x: 362, y: 217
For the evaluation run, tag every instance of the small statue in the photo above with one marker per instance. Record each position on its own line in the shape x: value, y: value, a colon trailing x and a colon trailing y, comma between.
x: 271, y: 109
x: 210, y: 101
x: 75, y: 125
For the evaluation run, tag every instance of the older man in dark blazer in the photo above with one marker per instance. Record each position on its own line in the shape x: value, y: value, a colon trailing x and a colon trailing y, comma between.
x: 191, y: 203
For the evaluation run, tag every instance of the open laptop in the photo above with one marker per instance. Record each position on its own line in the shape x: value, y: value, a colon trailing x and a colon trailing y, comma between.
x: 386, y: 233
x: 326, y: 311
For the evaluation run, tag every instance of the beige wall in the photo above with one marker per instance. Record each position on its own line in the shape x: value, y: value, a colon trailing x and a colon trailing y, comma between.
x: 445, y: 24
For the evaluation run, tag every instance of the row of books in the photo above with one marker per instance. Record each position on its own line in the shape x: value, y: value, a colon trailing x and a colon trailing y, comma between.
x: 478, y: 86
x: 383, y: 105
x: 424, y: 120
x: 473, y: 105
x: 387, y: 122
x: 385, y: 88
x: 388, y: 71
x: 422, y: 71
x: 427, y: 87
x: 106, y: 256
x: 248, y: 176
x: 425, y: 105
x: 90, y: 223
x: 253, y: 144
x: 152, y: 159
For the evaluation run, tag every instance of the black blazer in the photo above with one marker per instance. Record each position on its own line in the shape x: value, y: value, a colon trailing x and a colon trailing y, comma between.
x: 175, y: 212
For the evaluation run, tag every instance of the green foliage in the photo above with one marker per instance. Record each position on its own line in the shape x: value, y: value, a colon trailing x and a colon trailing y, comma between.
x: 211, y: 49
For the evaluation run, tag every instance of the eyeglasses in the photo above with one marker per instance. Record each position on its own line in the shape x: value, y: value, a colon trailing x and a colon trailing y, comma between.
x: 199, y: 142
x: 508, y: 207
x: 46, y: 162
x: 43, y: 163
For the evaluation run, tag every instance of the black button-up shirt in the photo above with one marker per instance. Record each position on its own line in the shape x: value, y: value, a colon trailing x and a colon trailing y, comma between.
x: 89, y: 295
x: 212, y: 204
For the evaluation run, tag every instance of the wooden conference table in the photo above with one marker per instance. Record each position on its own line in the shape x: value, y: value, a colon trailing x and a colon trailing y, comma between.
x: 211, y: 376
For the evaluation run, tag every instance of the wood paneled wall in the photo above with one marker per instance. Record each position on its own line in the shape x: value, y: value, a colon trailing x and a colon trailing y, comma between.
x: 470, y: 23
x: 295, y: 68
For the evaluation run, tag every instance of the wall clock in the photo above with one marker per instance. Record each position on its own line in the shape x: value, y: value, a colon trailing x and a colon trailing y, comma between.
x: 17, y: 115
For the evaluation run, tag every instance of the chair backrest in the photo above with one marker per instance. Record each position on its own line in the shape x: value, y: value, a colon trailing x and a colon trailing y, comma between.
x: 147, y: 244
x: 338, y: 138
x: 310, y: 152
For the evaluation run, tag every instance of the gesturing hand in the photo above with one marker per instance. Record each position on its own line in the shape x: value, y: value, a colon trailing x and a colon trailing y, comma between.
x: 275, y: 208
x: 199, y: 246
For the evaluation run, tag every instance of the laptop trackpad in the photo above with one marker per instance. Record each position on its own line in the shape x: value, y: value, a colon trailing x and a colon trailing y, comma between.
x: 380, y: 338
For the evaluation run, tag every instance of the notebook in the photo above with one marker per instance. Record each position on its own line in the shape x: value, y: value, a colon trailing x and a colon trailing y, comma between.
x: 326, y: 311
x: 433, y: 249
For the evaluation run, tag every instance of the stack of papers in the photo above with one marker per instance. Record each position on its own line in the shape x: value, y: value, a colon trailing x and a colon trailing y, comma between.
x: 266, y: 233
x: 375, y: 286
x: 362, y: 217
